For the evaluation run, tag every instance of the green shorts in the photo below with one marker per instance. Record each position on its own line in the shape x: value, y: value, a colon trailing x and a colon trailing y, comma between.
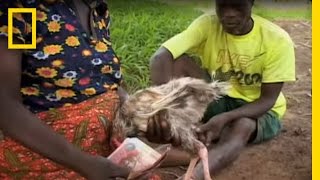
x: 268, y: 125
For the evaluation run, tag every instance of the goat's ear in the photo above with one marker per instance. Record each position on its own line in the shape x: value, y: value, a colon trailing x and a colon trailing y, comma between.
x: 116, y: 121
x: 123, y: 95
x: 117, y: 115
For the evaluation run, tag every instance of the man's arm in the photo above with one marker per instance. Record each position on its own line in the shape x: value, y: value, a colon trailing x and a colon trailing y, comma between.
x: 253, y: 110
x: 161, y: 66
x: 190, y: 39
x: 20, y: 124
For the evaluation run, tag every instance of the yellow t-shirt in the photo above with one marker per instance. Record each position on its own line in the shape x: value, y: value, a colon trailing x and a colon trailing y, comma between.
x: 264, y: 55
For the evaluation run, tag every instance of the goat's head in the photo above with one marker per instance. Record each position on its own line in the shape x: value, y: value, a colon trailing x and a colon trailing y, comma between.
x: 127, y: 122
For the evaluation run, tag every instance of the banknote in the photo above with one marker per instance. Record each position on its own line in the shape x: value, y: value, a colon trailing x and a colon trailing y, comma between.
x: 135, y: 155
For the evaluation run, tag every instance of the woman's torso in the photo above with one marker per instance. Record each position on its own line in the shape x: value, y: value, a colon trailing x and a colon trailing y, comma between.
x: 69, y: 64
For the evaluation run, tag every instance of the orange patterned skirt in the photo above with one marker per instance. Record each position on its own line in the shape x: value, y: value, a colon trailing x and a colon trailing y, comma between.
x: 86, y: 125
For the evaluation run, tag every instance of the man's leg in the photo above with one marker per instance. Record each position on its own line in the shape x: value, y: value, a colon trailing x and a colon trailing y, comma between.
x: 233, y: 139
x: 176, y: 157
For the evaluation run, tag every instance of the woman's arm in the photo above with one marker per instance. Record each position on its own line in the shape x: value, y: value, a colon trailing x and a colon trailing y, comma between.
x: 20, y: 124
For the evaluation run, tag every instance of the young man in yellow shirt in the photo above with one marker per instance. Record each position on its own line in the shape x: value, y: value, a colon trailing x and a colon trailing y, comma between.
x: 253, y: 54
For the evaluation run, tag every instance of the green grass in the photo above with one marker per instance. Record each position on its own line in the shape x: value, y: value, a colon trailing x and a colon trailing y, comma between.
x: 294, y: 10
x: 138, y: 28
x: 288, y: 14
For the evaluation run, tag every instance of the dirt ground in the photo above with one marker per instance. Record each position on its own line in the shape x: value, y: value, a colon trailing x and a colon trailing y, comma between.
x: 288, y: 156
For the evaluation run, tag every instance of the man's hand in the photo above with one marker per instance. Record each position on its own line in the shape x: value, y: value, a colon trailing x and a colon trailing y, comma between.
x: 159, y: 130
x: 212, y: 129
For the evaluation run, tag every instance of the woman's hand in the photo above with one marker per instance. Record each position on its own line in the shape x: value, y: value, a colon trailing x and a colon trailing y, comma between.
x: 101, y: 168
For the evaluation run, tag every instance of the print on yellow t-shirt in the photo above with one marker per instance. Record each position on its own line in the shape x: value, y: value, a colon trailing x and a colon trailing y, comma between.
x: 265, y: 55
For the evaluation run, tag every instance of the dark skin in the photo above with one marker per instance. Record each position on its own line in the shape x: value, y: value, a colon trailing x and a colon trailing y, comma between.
x: 232, y: 130
x: 33, y: 133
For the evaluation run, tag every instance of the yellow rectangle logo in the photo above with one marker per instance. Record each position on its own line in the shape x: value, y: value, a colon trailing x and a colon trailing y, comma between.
x: 33, y: 12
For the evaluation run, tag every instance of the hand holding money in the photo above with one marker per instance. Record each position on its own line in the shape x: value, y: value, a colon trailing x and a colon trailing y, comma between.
x: 138, y: 157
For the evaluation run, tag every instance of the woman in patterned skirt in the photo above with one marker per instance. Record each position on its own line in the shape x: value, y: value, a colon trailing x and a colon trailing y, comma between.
x: 58, y: 100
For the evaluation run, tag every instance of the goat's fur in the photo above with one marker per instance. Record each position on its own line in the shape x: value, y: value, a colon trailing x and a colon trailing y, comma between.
x: 183, y: 100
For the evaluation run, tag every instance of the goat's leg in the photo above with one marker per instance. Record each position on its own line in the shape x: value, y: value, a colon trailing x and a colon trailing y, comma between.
x: 191, y: 167
x: 203, y: 154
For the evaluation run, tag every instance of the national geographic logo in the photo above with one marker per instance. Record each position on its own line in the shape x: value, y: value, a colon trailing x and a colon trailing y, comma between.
x: 33, y: 12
